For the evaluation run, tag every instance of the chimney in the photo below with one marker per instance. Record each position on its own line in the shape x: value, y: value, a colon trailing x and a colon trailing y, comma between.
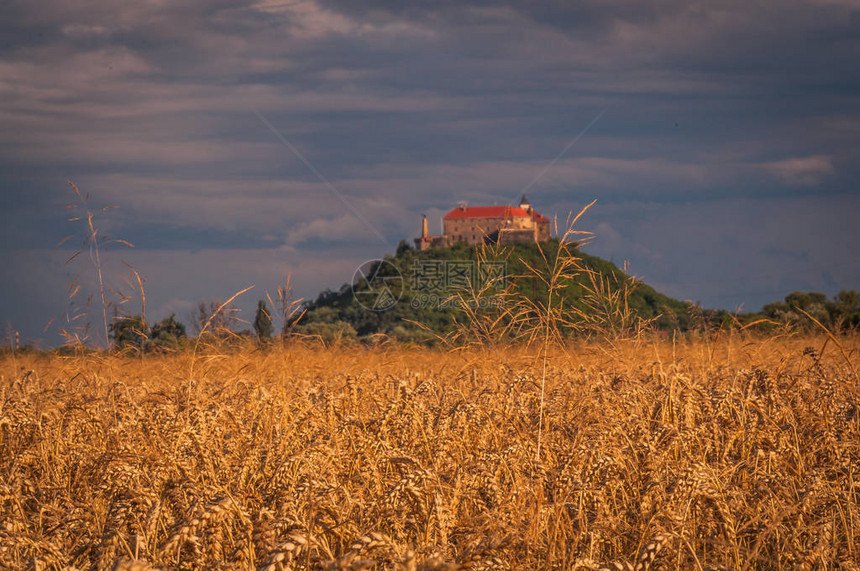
x: 424, y: 226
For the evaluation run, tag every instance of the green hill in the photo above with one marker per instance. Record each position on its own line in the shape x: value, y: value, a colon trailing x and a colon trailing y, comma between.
x: 417, y: 296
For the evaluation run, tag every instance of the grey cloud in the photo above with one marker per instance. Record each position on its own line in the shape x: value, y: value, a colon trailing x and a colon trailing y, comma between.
x: 736, y: 109
x: 802, y: 170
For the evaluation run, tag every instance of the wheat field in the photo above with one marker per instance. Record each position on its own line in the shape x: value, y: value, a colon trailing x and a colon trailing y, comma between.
x: 734, y: 453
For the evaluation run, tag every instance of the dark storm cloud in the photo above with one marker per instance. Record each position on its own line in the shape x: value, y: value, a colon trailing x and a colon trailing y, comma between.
x: 718, y: 113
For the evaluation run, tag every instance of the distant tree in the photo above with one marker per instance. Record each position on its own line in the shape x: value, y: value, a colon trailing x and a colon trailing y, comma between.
x: 133, y: 331
x: 403, y: 248
x: 220, y: 322
x: 779, y: 311
x: 845, y: 308
x: 263, y: 322
x: 129, y: 331
x: 842, y: 311
x: 167, y: 332
x: 813, y: 303
x: 847, y: 302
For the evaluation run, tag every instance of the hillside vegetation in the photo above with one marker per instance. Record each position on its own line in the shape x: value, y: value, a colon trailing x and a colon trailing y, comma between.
x: 588, y: 288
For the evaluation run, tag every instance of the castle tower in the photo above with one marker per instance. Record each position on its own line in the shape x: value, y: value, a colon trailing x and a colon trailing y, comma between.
x: 425, y: 241
x: 525, y: 204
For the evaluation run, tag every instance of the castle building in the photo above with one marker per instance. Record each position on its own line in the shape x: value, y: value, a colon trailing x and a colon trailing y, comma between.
x: 473, y: 225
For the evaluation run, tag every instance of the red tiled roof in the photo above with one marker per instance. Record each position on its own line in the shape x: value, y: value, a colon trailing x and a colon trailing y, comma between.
x: 493, y: 212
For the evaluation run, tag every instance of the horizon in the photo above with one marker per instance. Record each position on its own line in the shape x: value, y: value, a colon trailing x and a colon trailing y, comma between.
x: 241, y: 143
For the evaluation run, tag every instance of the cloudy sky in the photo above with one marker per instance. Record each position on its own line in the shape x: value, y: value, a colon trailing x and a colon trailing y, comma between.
x: 244, y: 141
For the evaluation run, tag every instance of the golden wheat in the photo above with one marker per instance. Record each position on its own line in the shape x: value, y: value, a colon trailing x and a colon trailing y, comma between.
x: 739, y: 453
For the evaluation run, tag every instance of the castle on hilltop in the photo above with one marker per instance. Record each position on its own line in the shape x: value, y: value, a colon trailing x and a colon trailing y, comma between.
x: 473, y: 225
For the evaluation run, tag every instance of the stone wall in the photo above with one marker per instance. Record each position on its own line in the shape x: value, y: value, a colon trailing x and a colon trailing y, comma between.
x: 475, y: 230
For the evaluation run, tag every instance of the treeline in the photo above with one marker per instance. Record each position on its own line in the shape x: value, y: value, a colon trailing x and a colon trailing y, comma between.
x: 590, y: 296
x: 840, y: 312
x: 800, y: 310
x: 326, y: 322
x: 213, y: 319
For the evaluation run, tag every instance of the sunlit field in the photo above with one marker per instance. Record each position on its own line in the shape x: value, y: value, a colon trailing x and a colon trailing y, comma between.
x: 737, y: 453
